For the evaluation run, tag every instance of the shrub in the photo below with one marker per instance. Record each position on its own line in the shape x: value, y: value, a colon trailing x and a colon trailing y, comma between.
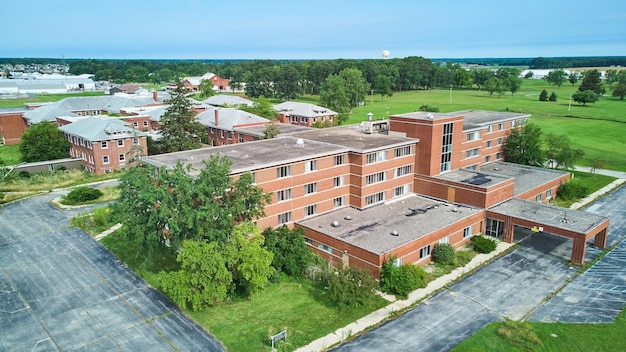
x: 349, y: 287
x: 543, y: 96
x: 483, y: 244
x: 61, y: 168
x: 82, y: 195
x: 552, y: 97
x: 429, y: 108
x: 573, y: 189
x: 401, y: 280
x: 444, y: 253
x: 24, y: 174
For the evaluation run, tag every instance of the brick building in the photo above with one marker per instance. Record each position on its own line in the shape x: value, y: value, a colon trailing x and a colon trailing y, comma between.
x: 103, y: 143
x: 12, y: 126
x: 304, y: 114
x: 401, y: 186
x: 219, y: 84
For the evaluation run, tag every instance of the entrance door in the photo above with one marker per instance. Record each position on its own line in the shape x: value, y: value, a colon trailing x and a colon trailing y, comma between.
x: 494, y: 228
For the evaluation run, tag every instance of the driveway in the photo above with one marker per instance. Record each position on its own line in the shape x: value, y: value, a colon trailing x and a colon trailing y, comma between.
x: 61, y: 290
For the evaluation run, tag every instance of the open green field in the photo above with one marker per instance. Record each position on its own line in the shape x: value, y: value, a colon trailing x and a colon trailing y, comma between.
x: 10, y: 154
x: 598, y: 128
x: 520, y: 336
x: 42, y: 98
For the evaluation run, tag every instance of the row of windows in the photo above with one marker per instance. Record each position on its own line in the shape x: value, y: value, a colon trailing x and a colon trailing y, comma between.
x: 538, y: 198
x: 403, y: 170
x: 136, y: 124
x: 310, y: 210
x: 310, y: 165
x: 121, y: 157
x: 375, y: 178
x: 375, y: 198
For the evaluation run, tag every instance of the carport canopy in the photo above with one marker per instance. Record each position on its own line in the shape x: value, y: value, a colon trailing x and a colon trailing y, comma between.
x: 578, y: 225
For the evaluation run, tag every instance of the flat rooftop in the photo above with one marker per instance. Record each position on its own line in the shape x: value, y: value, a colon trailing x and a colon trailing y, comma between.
x: 284, y: 128
x: 474, y: 178
x: 250, y: 155
x: 526, y: 177
x: 371, y: 229
x: 352, y: 137
x: 472, y: 118
x: 545, y: 214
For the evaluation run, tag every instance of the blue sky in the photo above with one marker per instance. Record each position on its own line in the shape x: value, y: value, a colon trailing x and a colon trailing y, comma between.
x: 322, y: 29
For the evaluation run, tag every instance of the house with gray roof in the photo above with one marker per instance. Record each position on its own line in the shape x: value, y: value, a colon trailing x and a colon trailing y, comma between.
x: 227, y: 100
x: 227, y: 125
x: 304, y: 114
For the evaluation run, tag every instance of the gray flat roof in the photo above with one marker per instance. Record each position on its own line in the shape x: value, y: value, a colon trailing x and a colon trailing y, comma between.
x: 545, y: 214
x: 472, y: 118
x: 250, y: 155
x: 351, y: 136
x: 474, y: 178
x: 371, y: 229
x: 526, y: 177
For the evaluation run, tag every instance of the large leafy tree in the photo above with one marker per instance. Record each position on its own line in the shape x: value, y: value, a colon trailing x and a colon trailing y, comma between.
x: 286, y: 85
x: 480, y: 76
x: 43, y: 141
x: 573, y: 77
x: 206, y: 88
x: 356, y: 86
x: 291, y: 254
x: 556, y: 77
x: 618, y: 84
x: 585, y: 96
x: 333, y: 94
x: 560, y: 152
x: 179, y: 128
x: 161, y: 208
x: 383, y: 86
x: 523, y: 145
x: 261, y: 107
x: 592, y: 81
x: 461, y: 77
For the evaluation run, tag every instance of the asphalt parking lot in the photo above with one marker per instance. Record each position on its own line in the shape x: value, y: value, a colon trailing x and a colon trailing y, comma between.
x: 61, y: 290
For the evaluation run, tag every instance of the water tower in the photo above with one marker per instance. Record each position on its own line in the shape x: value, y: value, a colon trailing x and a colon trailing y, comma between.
x: 385, y: 54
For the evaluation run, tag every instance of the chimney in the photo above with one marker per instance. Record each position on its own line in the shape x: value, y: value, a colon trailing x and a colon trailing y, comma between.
x: 155, y: 96
x: 217, y: 117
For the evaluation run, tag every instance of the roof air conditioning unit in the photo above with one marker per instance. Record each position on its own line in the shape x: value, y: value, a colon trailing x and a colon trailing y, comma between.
x: 335, y: 223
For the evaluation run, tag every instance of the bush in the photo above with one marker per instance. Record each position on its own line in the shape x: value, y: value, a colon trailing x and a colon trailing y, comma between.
x: 483, y: 244
x: 401, y: 280
x: 573, y: 189
x: 24, y: 174
x: 444, y: 253
x: 349, y: 287
x: 552, y: 97
x: 82, y: 195
x: 429, y: 108
x: 543, y: 96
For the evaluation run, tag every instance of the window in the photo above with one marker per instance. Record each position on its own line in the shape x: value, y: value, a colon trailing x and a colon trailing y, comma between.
x: 538, y: 197
x: 340, y: 159
x: 467, y: 232
x: 490, y: 128
x: 549, y: 194
x: 500, y: 126
x: 375, y: 198
x: 308, y: 240
x: 283, y: 171
x: 472, y: 136
x: 338, y: 202
x: 403, y: 170
x: 403, y: 151
x: 488, y: 158
x: 284, y: 218
x: 325, y: 248
x: 339, y: 181
x: 241, y: 139
x: 472, y: 167
x: 253, y: 174
x: 500, y: 140
x: 498, y: 155
x: 89, y: 145
x: 104, y: 144
x: 145, y: 124
x: 310, y: 188
x: 229, y: 135
x: 310, y: 165
x: 376, y: 157
x: 425, y: 252
x: 471, y: 153
x: 310, y: 210
x: 135, y: 124
x: 488, y: 144
x: 120, y: 142
x: 105, y: 159
x: 122, y: 157
x: 283, y: 195
x: 445, y: 240
x: 375, y: 178
x: 397, y: 262
x: 135, y: 141
x: 446, y: 147
x: 398, y: 191
x: 222, y: 133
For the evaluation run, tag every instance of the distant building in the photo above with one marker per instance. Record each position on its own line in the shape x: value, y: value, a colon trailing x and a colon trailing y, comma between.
x: 219, y: 84
x: 304, y: 114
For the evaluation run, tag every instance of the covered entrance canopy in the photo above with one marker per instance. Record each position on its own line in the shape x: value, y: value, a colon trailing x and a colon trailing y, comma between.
x: 578, y: 225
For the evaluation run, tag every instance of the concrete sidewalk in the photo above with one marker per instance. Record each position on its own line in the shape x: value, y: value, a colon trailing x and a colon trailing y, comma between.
x: 382, y: 314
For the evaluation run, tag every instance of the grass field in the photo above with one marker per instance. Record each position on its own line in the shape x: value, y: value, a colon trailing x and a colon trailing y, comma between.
x: 42, y: 98
x: 520, y: 336
x: 10, y: 154
x: 598, y: 128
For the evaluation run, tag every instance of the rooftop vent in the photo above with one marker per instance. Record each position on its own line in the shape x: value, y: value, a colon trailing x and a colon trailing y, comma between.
x: 455, y: 209
x: 429, y: 116
x: 335, y: 223
x: 394, y: 233
x: 348, y: 217
x: 300, y: 143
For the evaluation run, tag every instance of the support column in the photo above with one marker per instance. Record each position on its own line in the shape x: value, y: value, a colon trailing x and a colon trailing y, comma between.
x: 600, y: 239
x: 509, y: 230
x: 578, y: 250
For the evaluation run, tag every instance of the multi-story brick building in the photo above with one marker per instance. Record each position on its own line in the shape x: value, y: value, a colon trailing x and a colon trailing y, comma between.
x: 401, y: 186
x: 103, y: 143
x: 12, y: 126
x: 219, y: 84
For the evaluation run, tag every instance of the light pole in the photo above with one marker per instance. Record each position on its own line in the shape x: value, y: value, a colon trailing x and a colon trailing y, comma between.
x: 372, y: 100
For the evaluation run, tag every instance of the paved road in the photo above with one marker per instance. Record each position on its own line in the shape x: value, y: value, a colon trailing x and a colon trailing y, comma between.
x: 61, y: 290
x: 512, y: 286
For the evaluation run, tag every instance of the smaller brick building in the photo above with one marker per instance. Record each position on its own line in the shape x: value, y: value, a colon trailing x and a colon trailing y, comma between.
x: 304, y: 114
x: 12, y: 126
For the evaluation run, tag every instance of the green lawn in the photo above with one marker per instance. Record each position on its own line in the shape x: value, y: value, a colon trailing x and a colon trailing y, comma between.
x: 598, y: 128
x: 593, y: 182
x: 10, y: 154
x: 246, y: 325
x: 43, y: 98
x: 519, y: 336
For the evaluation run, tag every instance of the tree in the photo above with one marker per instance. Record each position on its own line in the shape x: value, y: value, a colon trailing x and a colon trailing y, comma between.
x: 291, y: 254
x: 461, y: 78
x: 509, y: 78
x: 179, y: 128
x: 43, y: 141
x: 349, y: 287
x: 162, y: 208
x: 382, y: 86
x: 618, y: 85
x: 494, y: 84
x: 203, y: 278
x: 596, y: 164
x: 261, y: 107
x: 556, y: 77
x: 401, y: 280
x: 585, y: 96
x: 206, y: 88
x: 592, y: 81
x: 286, y: 84
x: 523, y: 145
x: 480, y: 76
x: 543, y: 96
x: 573, y: 77
x: 560, y: 152
x: 271, y: 130
x: 333, y: 94
x: 356, y: 86
x: 552, y: 97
